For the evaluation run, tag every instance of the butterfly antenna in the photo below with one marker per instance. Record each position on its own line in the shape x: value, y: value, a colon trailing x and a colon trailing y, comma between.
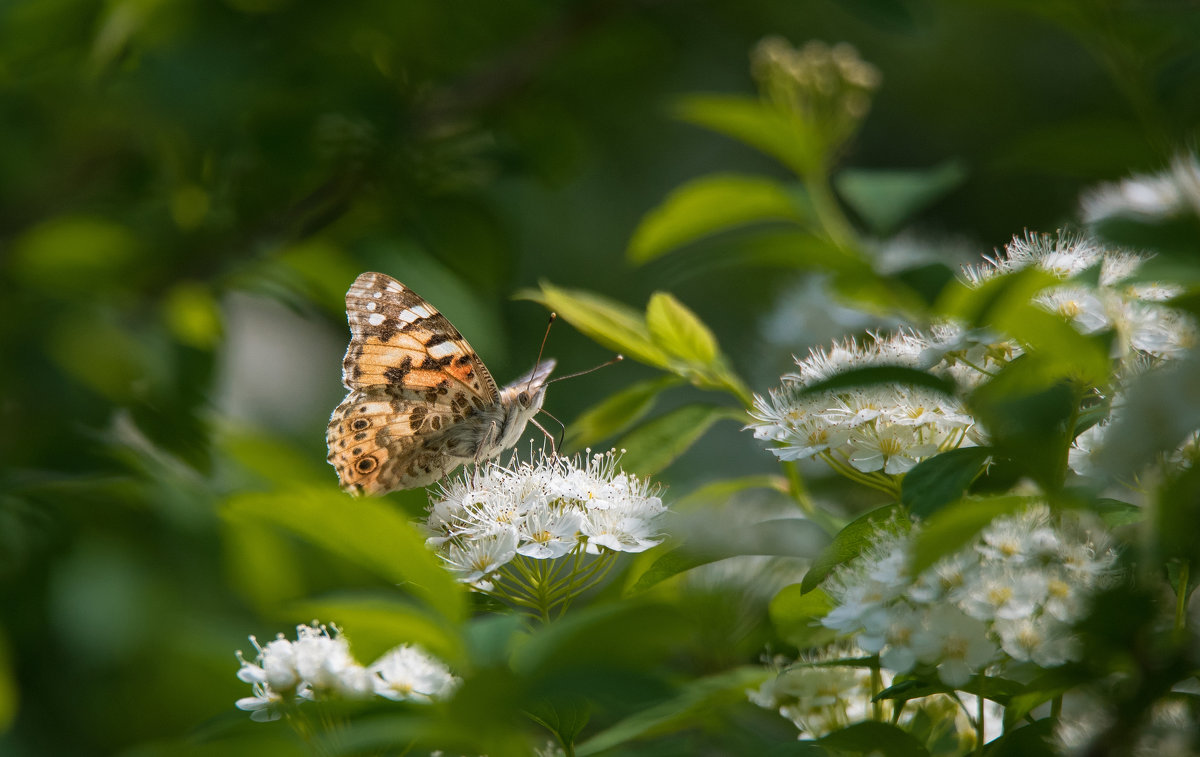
x: 537, y: 363
x: 605, y: 364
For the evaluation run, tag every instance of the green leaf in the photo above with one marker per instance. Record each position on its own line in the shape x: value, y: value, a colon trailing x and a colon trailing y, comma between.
x: 796, y: 615
x: 1032, y: 740
x: 608, y: 322
x: 942, y: 479
x: 709, y: 205
x: 887, y: 198
x: 952, y: 528
x: 616, y: 413
x: 696, y: 703
x: 1005, y: 303
x: 365, y: 531
x: 786, y: 537
x: 755, y: 123
x: 655, y: 444
x: 882, y: 374
x: 850, y: 542
x: 871, y: 737
x: 677, y: 330
x: 1028, y: 420
x: 565, y: 717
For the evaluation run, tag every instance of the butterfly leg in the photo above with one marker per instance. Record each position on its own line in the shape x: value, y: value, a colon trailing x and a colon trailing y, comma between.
x: 561, y: 425
x: 553, y: 446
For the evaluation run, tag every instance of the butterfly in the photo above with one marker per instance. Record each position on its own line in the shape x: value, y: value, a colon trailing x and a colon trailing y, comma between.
x: 421, y: 402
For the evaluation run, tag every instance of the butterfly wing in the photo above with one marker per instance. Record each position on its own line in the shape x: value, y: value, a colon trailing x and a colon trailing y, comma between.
x: 387, y: 437
x: 399, y: 339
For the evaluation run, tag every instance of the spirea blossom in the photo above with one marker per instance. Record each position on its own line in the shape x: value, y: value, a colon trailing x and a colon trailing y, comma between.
x: 1173, y: 192
x: 1010, y: 596
x: 552, y: 508
x: 319, y: 665
x: 1134, y: 310
x: 887, y: 428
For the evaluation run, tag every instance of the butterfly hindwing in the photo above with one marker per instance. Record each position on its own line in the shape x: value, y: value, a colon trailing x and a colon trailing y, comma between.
x: 383, y: 438
x: 398, y: 338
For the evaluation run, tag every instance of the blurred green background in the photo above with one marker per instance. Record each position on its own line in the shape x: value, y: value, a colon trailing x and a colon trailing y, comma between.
x: 188, y: 188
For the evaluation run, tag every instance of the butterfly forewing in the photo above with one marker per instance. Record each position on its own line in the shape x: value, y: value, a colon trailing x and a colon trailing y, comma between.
x: 396, y: 337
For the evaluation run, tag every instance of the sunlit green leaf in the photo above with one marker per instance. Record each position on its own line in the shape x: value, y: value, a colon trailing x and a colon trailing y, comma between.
x: 608, y: 322
x: 887, y: 198
x: 363, y: 530
x: 709, y: 205
x: 952, y: 528
x: 677, y: 330
x: 655, y: 444
x: 851, y: 540
x: 762, y: 126
x: 617, y: 412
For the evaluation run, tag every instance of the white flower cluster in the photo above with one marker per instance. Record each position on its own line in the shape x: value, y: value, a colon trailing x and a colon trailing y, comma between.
x: 879, y: 427
x: 1169, y: 193
x: 820, y: 696
x: 1135, y: 311
x: 1012, y: 595
x: 818, y: 699
x: 319, y: 665
x: 543, y: 510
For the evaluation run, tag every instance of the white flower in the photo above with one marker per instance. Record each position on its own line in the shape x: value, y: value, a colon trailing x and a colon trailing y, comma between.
x: 541, y: 510
x: 316, y: 665
x: 1046, y: 643
x: 408, y: 672
x: 263, y: 706
x: 886, y: 427
x: 1161, y: 195
x: 480, y: 555
x: 955, y: 642
x: 1018, y: 587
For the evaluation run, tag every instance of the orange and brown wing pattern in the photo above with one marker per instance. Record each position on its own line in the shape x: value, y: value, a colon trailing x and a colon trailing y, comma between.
x: 399, y: 339
x: 383, y: 438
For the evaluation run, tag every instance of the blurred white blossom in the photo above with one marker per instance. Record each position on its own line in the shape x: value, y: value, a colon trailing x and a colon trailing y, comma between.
x: 1009, y: 596
x: 318, y: 665
x: 1169, y: 193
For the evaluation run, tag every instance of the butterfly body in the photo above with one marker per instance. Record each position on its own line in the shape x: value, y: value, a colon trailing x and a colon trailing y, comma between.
x: 421, y: 402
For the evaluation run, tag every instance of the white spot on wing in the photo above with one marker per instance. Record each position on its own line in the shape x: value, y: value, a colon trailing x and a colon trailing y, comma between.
x: 421, y: 311
x: 375, y: 319
x: 408, y: 316
x: 443, y: 349
x: 377, y: 295
x: 370, y: 306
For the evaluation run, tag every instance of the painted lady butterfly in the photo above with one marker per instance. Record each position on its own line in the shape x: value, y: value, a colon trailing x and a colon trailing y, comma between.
x: 421, y: 402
